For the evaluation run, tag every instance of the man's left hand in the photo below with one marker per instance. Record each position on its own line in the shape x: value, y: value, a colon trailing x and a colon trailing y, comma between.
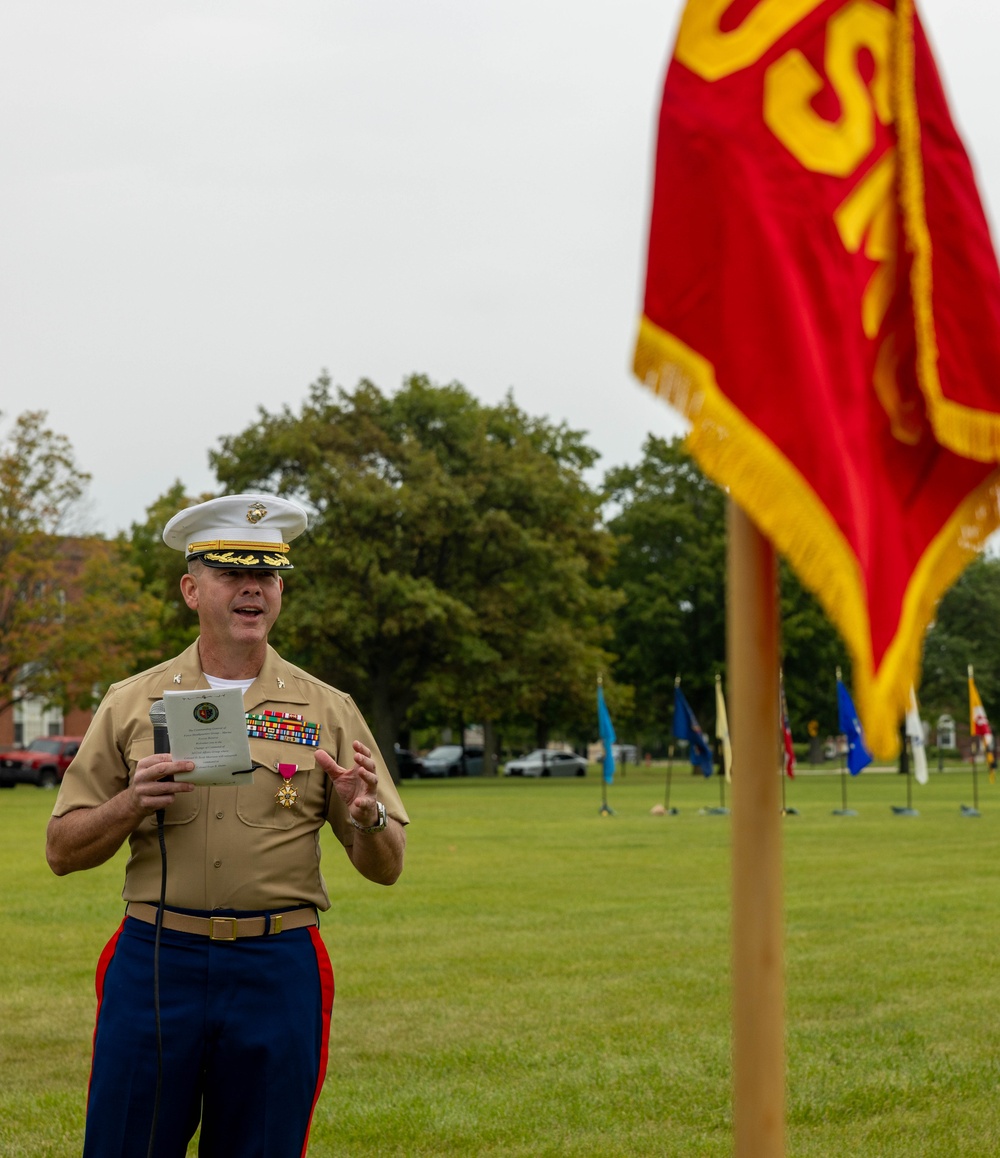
x: 356, y: 785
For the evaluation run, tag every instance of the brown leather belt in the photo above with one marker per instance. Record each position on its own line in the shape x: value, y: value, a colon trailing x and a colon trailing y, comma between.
x: 224, y: 928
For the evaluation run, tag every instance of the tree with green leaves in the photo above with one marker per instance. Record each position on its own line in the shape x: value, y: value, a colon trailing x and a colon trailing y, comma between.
x: 73, y: 616
x: 455, y: 559
x: 161, y: 568
x: 966, y: 630
x: 669, y: 522
x: 812, y: 650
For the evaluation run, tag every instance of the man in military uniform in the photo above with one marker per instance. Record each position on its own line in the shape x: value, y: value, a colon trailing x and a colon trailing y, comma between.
x: 222, y: 1011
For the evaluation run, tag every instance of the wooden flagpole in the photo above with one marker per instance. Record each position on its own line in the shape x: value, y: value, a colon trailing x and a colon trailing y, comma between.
x: 758, y: 943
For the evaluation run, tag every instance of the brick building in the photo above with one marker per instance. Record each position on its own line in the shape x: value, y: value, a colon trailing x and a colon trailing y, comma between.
x: 23, y: 722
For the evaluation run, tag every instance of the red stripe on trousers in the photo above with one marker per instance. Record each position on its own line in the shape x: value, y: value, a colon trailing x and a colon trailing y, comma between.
x: 325, y: 968
x: 102, y: 968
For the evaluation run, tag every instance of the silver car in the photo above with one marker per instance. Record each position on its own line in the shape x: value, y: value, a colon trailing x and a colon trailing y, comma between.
x: 542, y: 762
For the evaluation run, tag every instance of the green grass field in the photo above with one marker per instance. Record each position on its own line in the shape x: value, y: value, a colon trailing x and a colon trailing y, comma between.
x: 545, y: 981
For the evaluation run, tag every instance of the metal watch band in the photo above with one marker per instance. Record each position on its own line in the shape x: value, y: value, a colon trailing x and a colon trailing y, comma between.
x: 379, y: 824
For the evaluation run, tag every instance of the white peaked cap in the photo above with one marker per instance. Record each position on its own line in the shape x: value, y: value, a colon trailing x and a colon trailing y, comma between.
x: 238, y: 531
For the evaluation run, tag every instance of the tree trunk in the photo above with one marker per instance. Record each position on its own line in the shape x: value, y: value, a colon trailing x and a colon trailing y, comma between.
x: 491, y: 764
x: 384, y: 723
x: 541, y: 734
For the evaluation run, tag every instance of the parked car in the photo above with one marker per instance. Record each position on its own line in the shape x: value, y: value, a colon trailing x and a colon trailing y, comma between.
x: 542, y: 762
x: 448, y: 760
x: 43, y: 762
x: 410, y: 767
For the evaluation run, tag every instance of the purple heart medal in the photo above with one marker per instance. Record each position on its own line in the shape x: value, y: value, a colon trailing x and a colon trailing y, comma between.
x: 287, y: 794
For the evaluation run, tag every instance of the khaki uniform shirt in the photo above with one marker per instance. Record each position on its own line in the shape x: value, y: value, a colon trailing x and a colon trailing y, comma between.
x: 229, y: 848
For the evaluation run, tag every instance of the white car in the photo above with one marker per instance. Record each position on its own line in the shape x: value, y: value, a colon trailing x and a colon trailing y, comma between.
x: 541, y: 762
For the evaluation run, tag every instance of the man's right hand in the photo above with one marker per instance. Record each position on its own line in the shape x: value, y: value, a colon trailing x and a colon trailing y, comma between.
x: 86, y: 837
x: 153, y: 787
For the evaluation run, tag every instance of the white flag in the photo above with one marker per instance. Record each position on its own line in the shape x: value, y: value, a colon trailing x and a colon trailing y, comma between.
x: 722, y: 730
x: 915, y: 734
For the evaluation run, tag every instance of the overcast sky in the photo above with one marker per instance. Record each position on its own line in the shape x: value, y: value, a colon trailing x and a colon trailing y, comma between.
x: 206, y: 203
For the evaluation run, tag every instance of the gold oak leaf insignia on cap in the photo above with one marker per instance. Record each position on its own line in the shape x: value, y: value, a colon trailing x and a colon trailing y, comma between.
x: 256, y: 512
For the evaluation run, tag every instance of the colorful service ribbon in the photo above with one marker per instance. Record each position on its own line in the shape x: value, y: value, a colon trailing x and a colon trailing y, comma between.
x: 284, y: 726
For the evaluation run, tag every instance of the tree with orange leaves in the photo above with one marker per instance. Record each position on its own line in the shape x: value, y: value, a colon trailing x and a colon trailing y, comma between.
x: 73, y: 617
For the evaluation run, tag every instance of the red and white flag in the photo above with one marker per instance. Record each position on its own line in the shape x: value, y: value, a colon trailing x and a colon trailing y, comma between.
x: 786, y: 736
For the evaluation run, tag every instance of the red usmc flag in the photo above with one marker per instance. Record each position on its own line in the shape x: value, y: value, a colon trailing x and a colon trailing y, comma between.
x: 823, y: 303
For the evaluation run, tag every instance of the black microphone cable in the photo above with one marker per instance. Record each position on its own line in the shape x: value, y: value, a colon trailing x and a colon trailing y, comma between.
x: 161, y: 743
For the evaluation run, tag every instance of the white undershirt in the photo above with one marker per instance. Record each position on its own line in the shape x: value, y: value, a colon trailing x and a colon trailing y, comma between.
x: 220, y: 684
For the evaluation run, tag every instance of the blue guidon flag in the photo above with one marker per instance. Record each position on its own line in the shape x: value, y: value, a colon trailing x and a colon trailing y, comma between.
x: 686, y: 727
x: 608, y: 738
x: 858, y: 756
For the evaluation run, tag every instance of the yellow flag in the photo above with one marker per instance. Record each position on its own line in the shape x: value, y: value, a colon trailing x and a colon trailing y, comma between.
x: 979, y: 726
x: 722, y: 730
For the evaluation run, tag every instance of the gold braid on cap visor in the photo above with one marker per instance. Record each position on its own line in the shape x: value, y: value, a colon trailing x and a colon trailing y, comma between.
x: 258, y: 559
x: 221, y: 551
x: 234, y: 545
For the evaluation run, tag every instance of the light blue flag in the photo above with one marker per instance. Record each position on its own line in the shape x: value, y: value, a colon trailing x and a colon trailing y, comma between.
x: 858, y: 756
x: 607, y: 730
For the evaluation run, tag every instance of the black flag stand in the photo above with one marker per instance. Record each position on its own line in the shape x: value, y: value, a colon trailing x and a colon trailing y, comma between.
x: 906, y: 770
x: 605, y: 809
x: 720, y: 809
x: 974, y: 810
x: 785, y: 810
x: 668, y: 811
x: 843, y: 810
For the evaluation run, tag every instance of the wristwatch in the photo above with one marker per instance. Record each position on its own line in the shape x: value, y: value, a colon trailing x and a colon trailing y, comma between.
x: 379, y: 824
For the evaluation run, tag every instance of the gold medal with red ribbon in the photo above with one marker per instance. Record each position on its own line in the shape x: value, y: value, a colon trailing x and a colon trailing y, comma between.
x: 287, y: 794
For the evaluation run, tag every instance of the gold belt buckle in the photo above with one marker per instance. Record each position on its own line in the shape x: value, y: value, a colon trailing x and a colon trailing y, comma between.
x: 219, y: 931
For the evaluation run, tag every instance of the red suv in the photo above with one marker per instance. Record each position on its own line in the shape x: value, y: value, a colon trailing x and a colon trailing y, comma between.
x: 43, y: 762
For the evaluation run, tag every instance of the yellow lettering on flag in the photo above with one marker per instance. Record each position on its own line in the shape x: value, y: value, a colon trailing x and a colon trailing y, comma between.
x: 866, y: 219
x: 790, y: 84
x: 714, y: 54
x: 868, y: 215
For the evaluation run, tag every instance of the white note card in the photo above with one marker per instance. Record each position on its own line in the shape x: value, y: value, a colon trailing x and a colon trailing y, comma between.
x: 210, y: 728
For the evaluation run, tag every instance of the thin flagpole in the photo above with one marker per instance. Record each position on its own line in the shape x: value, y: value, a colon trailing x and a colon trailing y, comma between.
x: 758, y: 973
x: 667, y: 807
x: 975, y: 774
x: 973, y: 741
x: 605, y: 809
x: 783, y: 758
x: 670, y: 769
x: 843, y: 810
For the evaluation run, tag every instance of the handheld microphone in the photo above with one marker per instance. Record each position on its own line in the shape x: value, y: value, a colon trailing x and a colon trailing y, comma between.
x: 158, y: 718
x: 161, y: 737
